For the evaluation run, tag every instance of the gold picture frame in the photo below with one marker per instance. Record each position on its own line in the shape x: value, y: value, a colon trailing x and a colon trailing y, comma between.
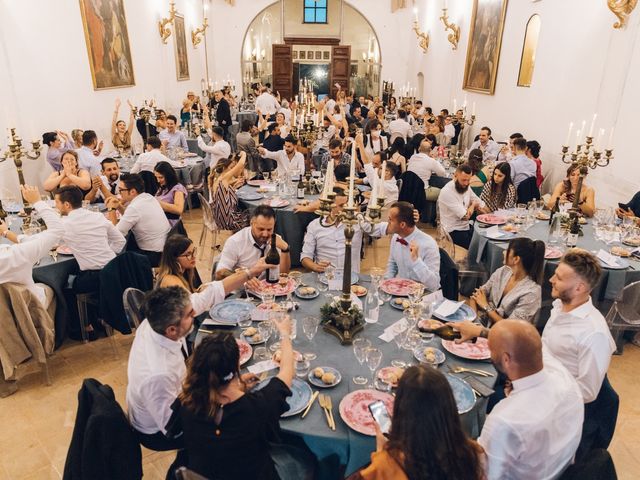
x: 107, y: 39
x: 180, y: 47
x: 485, y: 41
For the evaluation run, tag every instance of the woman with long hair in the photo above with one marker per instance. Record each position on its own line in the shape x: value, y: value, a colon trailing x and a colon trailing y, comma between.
x: 480, y: 172
x: 513, y: 290
x: 566, y: 192
x: 120, y: 133
x: 425, y: 443
x: 499, y: 192
x: 533, y: 152
x: 396, y: 153
x: 69, y: 174
x: 171, y: 194
x: 223, y: 181
x: 392, y: 107
x: 178, y: 264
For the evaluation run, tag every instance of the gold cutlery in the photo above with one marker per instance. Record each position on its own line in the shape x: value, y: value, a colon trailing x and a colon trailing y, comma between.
x: 482, y: 373
x: 313, y: 399
x: 330, y: 408
x: 323, y: 404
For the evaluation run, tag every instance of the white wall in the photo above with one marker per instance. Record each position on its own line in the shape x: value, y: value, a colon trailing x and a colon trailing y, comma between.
x: 45, y: 79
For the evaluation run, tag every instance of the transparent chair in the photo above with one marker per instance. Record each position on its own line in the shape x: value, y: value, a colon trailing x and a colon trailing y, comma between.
x: 624, y: 314
x: 132, y: 299
x: 208, y: 225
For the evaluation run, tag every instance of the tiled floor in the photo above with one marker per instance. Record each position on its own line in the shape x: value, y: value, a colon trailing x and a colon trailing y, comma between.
x: 37, y: 421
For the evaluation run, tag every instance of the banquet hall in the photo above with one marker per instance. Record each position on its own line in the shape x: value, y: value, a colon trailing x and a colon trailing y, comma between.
x: 349, y: 239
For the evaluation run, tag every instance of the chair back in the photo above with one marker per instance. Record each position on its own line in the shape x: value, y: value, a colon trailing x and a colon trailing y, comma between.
x: 444, y: 241
x: 207, y: 213
x: 132, y: 299
x: 448, y: 276
x: 598, y: 465
x: 528, y: 190
x: 628, y: 305
x: 412, y: 191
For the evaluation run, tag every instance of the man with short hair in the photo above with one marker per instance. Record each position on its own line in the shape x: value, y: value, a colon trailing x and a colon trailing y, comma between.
x: 356, y: 117
x: 490, y: 149
x: 423, y: 165
x: 457, y: 203
x: 288, y: 160
x: 522, y: 167
x: 449, y: 129
x: 247, y: 144
x: 89, y: 154
x: 267, y: 104
x: 106, y: 184
x: 172, y: 137
x: 274, y: 141
x: 223, y: 112
x: 142, y: 214
x: 147, y: 161
x: 335, y: 154
x: 218, y: 150
x: 246, y: 247
x: 506, y: 152
x: 327, y: 133
x: 400, y: 127
x: 533, y: 433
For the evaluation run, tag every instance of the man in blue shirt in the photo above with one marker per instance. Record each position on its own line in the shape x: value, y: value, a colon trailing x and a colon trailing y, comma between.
x: 522, y: 167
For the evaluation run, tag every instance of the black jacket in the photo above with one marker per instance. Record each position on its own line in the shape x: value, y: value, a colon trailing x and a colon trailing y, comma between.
x: 412, y: 191
x: 223, y: 114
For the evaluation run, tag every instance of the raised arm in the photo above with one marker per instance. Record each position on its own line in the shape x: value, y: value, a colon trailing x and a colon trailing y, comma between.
x: 115, y: 117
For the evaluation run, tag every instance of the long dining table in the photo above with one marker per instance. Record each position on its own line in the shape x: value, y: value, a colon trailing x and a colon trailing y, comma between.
x: 343, y: 451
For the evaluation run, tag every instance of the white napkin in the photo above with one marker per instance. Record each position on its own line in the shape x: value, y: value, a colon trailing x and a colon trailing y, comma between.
x: 268, y: 187
x: 394, y: 329
x: 607, y: 258
x: 447, y: 308
x: 494, y: 232
x: 260, y: 314
x: 434, y: 297
x: 209, y: 321
x: 263, y: 366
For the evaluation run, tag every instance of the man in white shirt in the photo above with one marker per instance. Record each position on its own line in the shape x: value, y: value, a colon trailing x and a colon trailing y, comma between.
x: 289, y: 160
x: 147, y: 161
x: 534, y: 432
x: 106, y: 185
x: 490, y: 149
x: 400, y: 127
x: 89, y: 154
x: 522, y: 167
x: 373, y: 162
x: 423, y: 165
x: 218, y: 150
x: 457, y: 203
x: 449, y: 129
x: 142, y: 214
x: 506, y: 151
x: 578, y: 336
x: 267, y: 104
x: 172, y: 137
x: 246, y: 247
x: 326, y: 135
x: 16, y: 261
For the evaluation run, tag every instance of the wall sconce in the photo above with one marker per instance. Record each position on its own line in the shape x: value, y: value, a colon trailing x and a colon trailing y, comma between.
x: 621, y: 9
x: 196, y: 37
x: 423, y: 37
x: 162, y: 24
x: 454, y: 36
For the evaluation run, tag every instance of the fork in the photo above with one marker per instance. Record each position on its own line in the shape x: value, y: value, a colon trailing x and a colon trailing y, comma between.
x: 330, y: 408
x: 458, y: 369
x: 323, y: 404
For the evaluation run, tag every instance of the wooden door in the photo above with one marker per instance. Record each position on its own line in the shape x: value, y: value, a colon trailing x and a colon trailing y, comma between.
x: 340, y: 67
x: 283, y: 70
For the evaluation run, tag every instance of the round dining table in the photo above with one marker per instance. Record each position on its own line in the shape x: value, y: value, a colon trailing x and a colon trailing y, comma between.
x: 343, y: 451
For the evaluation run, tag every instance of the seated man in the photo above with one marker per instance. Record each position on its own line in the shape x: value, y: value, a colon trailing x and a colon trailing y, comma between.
x: 423, y: 165
x: 172, y: 138
x: 371, y: 163
x: 105, y: 185
x: 246, y: 247
x: 288, y: 160
x: 507, y: 151
x: 490, y: 149
x: 147, y: 161
x: 522, y: 167
x: 335, y: 154
x: 630, y: 209
x: 142, y: 214
x: 89, y: 154
x: 533, y: 433
x: 217, y: 150
x: 457, y: 203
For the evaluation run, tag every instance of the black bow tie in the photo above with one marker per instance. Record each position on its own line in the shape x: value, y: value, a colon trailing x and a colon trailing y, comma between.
x: 402, y: 241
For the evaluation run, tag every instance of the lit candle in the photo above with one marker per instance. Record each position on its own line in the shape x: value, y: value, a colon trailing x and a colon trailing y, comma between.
x: 381, y: 184
x: 352, y: 172
x: 593, y: 122
x: 327, y: 180
x: 610, y: 142
x: 202, y: 85
x: 473, y: 109
x: 455, y: 105
x: 598, y: 143
x: 445, y: 4
x: 566, y: 142
x: 577, y: 139
x: 583, y: 127
x: 293, y: 123
x: 373, y: 199
x: 415, y: 13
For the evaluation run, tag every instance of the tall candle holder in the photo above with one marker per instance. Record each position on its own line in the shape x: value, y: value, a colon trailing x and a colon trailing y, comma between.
x: 454, y: 36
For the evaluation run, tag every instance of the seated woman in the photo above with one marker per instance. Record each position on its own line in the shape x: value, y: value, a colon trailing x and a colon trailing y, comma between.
x: 513, y: 290
x: 431, y: 444
x: 226, y: 426
x: 480, y: 172
x: 70, y: 174
x: 533, y: 152
x: 395, y: 151
x: 499, y: 192
x: 566, y: 192
x: 392, y: 107
x: 185, y: 112
x: 223, y: 182
x: 120, y: 133
x: 178, y: 264
x: 171, y: 194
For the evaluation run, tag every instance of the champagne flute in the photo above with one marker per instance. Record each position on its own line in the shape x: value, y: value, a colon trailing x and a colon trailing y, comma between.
x: 373, y: 357
x: 360, y: 347
x: 310, y: 328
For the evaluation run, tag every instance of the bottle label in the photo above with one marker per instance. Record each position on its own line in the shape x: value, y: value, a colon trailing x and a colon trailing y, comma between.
x: 300, y: 192
x: 273, y: 274
x: 372, y: 315
x: 572, y: 240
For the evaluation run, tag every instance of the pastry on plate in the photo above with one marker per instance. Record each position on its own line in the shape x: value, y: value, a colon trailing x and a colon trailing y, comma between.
x: 328, y: 378
x: 318, y: 372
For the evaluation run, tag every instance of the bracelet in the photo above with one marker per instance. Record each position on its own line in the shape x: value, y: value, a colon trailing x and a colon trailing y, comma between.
x: 5, y: 233
x: 247, y: 272
x: 484, y: 333
x: 285, y: 250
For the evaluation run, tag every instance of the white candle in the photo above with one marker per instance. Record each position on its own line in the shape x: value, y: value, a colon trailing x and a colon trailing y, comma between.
x: 415, y: 13
x: 473, y: 109
x: 577, y: 139
x: 381, y: 184
x: 593, y: 122
x: 352, y: 172
x: 455, y: 105
x: 318, y: 119
x: 445, y: 4
x: 583, y: 127
x: 598, y: 143
x: 373, y: 199
x: 610, y: 142
x: 566, y: 142
x: 293, y: 123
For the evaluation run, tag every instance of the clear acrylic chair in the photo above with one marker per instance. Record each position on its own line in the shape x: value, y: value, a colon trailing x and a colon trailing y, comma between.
x: 624, y: 314
x: 208, y: 225
x: 132, y: 299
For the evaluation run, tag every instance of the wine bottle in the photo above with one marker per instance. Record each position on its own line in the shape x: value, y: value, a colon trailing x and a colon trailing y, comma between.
x: 3, y: 214
x: 300, y: 192
x: 554, y: 210
x: 273, y: 258
x: 445, y: 332
x: 574, y: 232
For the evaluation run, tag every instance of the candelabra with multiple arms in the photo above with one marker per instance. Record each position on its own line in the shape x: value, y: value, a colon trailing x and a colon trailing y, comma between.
x: 17, y: 152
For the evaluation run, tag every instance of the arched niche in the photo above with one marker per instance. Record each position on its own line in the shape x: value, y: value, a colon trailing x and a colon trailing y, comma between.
x: 529, y: 47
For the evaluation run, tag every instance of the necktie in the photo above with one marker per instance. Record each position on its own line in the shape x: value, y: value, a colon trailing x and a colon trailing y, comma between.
x: 113, y: 188
x: 260, y: 248
x: 184, y: 352
x: 402, y: 241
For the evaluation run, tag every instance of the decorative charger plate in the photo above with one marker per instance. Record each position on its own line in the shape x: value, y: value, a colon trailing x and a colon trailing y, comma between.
x: 354, y: 409
x: 273, y: 203
x: 274, y: 288
x: 421, y: 352
x: 552, y: 253
x: 399, y: 287
x: 491, y: 219
x: 463, y: 393
x: 64, y: 250
x: 231, y: 310
x: 354, y: 278
x: 249, y: 196
x: 470, y: 351
x: 299, y: 399
x: 257, y: 183
x: 319, y: 383
x: 245, y: 351
x: 465, y: 312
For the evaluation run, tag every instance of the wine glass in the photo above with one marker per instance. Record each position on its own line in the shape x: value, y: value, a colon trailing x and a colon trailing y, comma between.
x: 412, y: 340
x: 276, y: 315
x: 360, y: 346
x: 310, y: 328
x: 415, y: 293
x: 374, y: 358
x: 264, y: 329
x: 297, y: 280
x: 322, y: 287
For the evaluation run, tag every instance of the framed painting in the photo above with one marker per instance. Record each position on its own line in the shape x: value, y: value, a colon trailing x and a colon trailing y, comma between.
x: 303, y: 55
x: 318, y: 55
x: 180, y: 43
x: 295, y: 54
x: 485, y: 40
x: 309, y: 54
x: 107, y: 38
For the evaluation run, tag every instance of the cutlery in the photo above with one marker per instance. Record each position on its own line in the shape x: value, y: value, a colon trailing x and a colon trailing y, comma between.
x: 313, y: 399
x: 483, y: 373
x: 323, y: 404
x: 330, y: 408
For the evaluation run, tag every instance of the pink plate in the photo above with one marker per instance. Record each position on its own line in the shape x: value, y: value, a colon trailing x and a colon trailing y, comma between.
x: 491, y: 219
x: 276, y: 203
x: 64, y: 250
x: 275, y: 288
x: 470, y: 351
x: 429, y: 323
x: 386, y: 372
x: 354, y: 409
x: 399, y: 287
x: 551, y: 253
x: 245, y: 351
x: 257, y: 183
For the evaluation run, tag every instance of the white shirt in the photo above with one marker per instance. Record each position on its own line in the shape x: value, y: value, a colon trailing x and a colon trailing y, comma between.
x: 449, y: 130
x: 267, y: 104
x: 177, y: 139
x: 147, y: 161
x: 581, y: 341
x: 145, y: 217
x: 534, y: 433
x: 93, y: 240
x: 490, y: 151
x: 240, y: 251
x: 400, y: 128
x: 375, y: 145
x: 287, y: 115
x: 424, y: 166
x: 453, y: 206
x: 327, y: 243
x: 105, y: 182
x: 391, y: 191
x: 325, y: 137
x: 286, y: 166
x: 88, y: 161
x: 215, y: 152
x: 16, y: 260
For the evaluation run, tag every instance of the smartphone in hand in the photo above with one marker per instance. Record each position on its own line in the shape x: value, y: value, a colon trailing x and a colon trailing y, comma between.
x: 381, y: 416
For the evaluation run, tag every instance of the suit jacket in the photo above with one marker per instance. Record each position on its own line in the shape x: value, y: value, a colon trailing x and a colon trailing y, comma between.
x: 103, y: 445
x: 448, y: 276
x: 413, y: 191
x: 223, y: 114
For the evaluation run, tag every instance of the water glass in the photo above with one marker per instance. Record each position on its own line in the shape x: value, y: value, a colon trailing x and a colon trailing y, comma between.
x: 384, y: 296
x: 310, y: 327
x: 302, y: 368
x: 244, y: 321
x: 412, y: 340
x: 360, y: 347
x: 267, y: 298
x: 261, y: 353
x: 294, y: 326
x: 374, y: 358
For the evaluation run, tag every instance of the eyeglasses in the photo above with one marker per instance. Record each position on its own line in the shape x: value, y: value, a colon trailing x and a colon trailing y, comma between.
x: 191, y: 254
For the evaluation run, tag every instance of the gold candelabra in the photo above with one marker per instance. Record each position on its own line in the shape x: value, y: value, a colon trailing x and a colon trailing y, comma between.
x: 423, y: 37
x: 621, y: 9
x: 198, y: 34
x: 163, y: 24
x: 17, y: 152
x: 454, y: 36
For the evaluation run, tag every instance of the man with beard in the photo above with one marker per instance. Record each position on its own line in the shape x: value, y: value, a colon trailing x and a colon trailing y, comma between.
x: 534, y: 432
x: 288, y: 160
x: 457, y: 204
x: 105, y: 185
x: 335, y: 154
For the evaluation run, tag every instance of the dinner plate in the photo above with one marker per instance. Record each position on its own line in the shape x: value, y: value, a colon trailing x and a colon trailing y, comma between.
x: 386, y: 372
x: 354, y: 409
x: 307, y: 296
x: 359, y: 291
x: 257, y: 183
x: 420, y: 355
x: 229, y: 311
x: 274, y: 288
x: 12, y: 207
x: 250, y: 196
x: 465, y: 312
x: 245, y: 351
x: 399, y: 306
x: 354, y: 278
x: 64, y: 250
x: 462, y: 392
x: 470, y: 351
x: 491, y: 219
x: 277, y: 203
x: 505, y: 237
x: 399, y: 287
x: 552, y: 253
x: 621, y: 264
x: 299, y: 399
x: 319, y: 383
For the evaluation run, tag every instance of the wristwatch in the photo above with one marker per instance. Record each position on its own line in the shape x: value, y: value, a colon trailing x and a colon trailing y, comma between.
x: 484, y: 333
x: 287, y: 250
x: 490, y: 308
